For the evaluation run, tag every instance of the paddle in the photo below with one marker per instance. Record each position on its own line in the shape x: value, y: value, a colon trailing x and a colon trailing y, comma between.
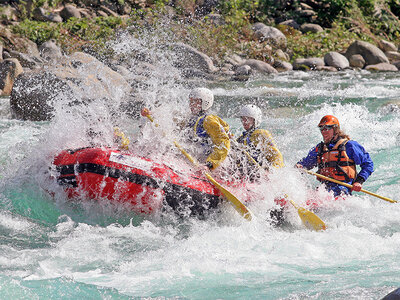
x: 309, y: 219
x: 349, y: 186
x: 237, y: 204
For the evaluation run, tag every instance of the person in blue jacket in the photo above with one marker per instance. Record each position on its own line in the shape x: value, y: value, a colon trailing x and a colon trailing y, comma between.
x: 337, y: 157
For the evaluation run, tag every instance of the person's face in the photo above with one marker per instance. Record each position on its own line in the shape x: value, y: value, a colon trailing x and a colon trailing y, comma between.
x: 247, y: 122
x: 327, y: 132
x: 195, y: 105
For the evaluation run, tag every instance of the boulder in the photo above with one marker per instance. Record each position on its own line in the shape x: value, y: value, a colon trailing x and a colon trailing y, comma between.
x: 33, y: 95
x: 382, y: 67
x: 326, y: 68
x: 281, y: 55
x: 49, y: 50
x: 309, y: 63
x: 260, y: 66
x: 392, y: 55
x: 270, y: 34
x: 386, y: 46
x: 337, y: 60
x: 76, y: 77
x: 18, y: 44
x: 70, y: 11
x: 243, y: 70
x: 357, y: 61
x: 10, y: 68
x: 314, y: 28
x: 371, y: 54
x: 292, y: 23
x: 282, y: 66
x: 187, y: 57
x: 234, y: 60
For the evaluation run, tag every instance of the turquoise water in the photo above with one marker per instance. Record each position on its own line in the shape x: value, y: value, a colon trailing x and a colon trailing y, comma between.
x: 54, y: 249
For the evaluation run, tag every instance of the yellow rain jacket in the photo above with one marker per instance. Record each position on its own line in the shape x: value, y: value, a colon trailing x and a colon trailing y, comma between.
x: 212, y: 133
x: 262, y: 147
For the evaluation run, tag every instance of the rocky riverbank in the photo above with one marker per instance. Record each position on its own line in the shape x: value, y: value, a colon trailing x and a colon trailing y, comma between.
x: 34, y: 74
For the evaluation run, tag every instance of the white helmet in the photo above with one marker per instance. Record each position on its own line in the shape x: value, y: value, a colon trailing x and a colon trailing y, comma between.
x: 251, y: 111
x: 206, y: 96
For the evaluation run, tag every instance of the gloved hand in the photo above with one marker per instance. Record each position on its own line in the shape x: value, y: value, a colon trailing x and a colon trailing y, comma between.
x: 356, y: 187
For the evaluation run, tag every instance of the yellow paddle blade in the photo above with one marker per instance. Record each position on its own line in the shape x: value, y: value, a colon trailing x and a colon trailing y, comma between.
x: 237, y: 204
x: 311, y: 220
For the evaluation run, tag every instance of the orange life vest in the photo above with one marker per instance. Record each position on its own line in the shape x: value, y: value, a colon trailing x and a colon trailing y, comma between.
x: 335, y: 163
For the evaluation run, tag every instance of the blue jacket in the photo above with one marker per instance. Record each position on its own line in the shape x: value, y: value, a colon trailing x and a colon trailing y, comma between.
x: 354, y: 151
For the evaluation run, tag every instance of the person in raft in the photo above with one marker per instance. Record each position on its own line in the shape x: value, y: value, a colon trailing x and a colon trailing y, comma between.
x: 260, y: 145
x: 258, y: 142
x: 206, y: 130
x: 336, y: 157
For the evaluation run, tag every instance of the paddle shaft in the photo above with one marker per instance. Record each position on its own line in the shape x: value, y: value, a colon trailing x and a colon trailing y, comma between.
x: 349, y: 186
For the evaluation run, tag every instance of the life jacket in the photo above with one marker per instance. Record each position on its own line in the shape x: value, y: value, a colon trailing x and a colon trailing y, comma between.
x: 245, y: 140
x: 200, y: 134
x: 335, y: 163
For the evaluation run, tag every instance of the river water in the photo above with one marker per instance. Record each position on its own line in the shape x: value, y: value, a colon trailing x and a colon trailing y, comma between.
x: 53, y: 249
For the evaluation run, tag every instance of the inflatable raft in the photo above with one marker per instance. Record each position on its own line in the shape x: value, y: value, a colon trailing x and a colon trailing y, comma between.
x: 122, y: 177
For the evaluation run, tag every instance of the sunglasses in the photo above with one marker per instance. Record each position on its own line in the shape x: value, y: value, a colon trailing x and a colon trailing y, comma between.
x: 325, y: 127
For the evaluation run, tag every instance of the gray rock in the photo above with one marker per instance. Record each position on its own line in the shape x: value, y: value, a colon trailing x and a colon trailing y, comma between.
x: 56, y: 18
x: 235, y: 60
x: 9, y: 70
x: 281, y: 55
x: 39, y: 14
x: 9, y: 13
x: 337, y: 60
x: 326, y: 68
x: 307, y: 13
x: 371, y: 54
x: 357, y: 61
x: 291, y: 23
x: 392, y: 55
x: 17, y: 43
x: 33, y: 95
x: 314, y: 28
x: 79, y: 76
x: 270, y: 34
x: 49, y: 50
x: 309, y: 63
x: 70, y: 11
x: 382, y: 67
x: 305, y: 6
x: 260, y: 66
x: 243, y: 70
x: 387, y: 46
x: 282, y: 66
x: 187, y: 57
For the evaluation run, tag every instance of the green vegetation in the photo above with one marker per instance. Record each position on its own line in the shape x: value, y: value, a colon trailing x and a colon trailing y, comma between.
x: 345, y: 21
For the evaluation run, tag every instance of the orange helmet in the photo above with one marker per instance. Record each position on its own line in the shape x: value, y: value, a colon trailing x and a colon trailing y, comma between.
x: 329, y: 120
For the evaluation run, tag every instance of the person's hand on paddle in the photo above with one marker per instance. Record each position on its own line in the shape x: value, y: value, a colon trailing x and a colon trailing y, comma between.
x: 356, y: 187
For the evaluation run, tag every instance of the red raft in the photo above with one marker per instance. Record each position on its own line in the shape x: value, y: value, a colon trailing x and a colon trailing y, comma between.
x: 121, y: 177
